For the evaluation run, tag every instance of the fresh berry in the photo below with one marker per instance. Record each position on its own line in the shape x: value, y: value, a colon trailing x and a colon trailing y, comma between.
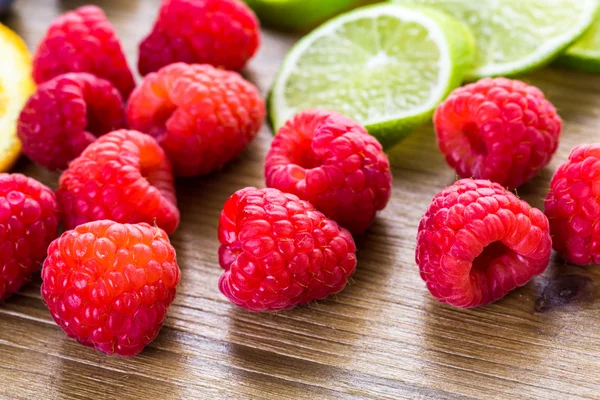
x: 28, y: 224
x: 332, y: 162
x: 498, y: 129
x: 223, y: 33
x: 123, y: 176
x: 573, y: 206
x: 202, y: 116
x: 83, y: 41
x: 65, y: 115
x: 109, y: 285
x: 278, y: 251
x: 478, y: 241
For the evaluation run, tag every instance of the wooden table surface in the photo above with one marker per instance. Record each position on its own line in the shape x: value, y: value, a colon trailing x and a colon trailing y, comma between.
x: 384, y: 336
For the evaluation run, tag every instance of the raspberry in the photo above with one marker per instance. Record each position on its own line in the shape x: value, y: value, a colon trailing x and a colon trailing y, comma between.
x: 83, y: 41
x: 109, y: 285
x: 573, y: 206
x: 278, y: 251
x: 223, y: 33
x: 332, y: 162
x: 65, y: 115
x: 28, y: 224
x: 498, y: 129
x: 123, y: 176
x: 202, y: 116
x: 477, y: 242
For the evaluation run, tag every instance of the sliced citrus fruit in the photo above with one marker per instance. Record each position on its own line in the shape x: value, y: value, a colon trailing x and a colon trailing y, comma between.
x: 385, y: 66
x: 515, y: 36
x: 298, y: 14
x: 585, y: 53
x: 16, y: 85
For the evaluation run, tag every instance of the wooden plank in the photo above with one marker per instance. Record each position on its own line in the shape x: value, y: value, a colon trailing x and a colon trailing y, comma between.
x: 382, y: 337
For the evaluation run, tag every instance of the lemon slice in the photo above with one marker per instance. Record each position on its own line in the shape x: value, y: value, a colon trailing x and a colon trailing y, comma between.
x: 16, y: 85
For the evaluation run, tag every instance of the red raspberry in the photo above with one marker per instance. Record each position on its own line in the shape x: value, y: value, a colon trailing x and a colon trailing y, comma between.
x: 28, y: 224
x: 223, y: 33
x: 83, y: 41
x: 278, y: 251
x: 108, y: 285
x: 332, y: 162
x: 573, y: 206
x: 477, y: 242
x: 202, y: 116
x: 65, y: 115
x: 123, y: 176
x: 498, y: 129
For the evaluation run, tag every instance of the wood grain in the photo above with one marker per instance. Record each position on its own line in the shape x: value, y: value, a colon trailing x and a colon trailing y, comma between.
x: 383, y: 337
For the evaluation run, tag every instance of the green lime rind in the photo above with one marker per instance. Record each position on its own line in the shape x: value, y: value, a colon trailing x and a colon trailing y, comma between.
x: 442, y: 35
x: 584, y: 55
x: 298, y: 15
x: 517, y: 36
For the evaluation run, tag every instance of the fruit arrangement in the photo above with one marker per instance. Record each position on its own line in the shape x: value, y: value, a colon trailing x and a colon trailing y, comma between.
x: 344, y: 94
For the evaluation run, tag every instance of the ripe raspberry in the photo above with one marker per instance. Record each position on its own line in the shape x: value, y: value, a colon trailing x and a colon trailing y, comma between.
x: 573, y: 206
x: 332, y: 162
x: 477, y: 242
x: 278, y: 251
x: 83, y: 41
x: 28, y: 224
x: 108, y: 285
x: 65, y: 115
x: 223, y: 33
x: 498, y: 129
x: 202, y: 116
x: 123, y: 176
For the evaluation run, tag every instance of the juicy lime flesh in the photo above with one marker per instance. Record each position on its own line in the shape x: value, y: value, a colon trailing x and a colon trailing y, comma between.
x: 367, y: 69
x: 509, y: 31
x: 589, y: 44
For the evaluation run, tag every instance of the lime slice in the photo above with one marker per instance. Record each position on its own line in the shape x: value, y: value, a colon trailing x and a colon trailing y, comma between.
x: 585, y: 53
x: 298, y: 14
x: 515, y: 36
x: 385, y: 66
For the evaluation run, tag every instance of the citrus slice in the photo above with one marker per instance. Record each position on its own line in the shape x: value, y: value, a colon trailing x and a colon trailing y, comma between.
x: 385, y: 66
x: 298, y: 14
x: 585, y: 53
x: 16, y: 85
x: 515, y: 36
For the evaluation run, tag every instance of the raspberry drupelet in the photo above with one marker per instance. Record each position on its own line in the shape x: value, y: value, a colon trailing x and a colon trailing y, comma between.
x: 109, y: 285
x: 573, y: 206
x: 332, y: 162
x: 28, y: 223
x: 223, y: 33
x: 478, y: 241
x: 203, y: 117
x: 123, y: 176
x: 65, y: 115
x: 83, y: 41
x: 278, y: 251
x: 498, y: 129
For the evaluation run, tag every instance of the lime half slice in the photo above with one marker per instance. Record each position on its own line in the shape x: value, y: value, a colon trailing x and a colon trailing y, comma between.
x: 515, y: 36
x: 385, y: 66
x: 585, y: 53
